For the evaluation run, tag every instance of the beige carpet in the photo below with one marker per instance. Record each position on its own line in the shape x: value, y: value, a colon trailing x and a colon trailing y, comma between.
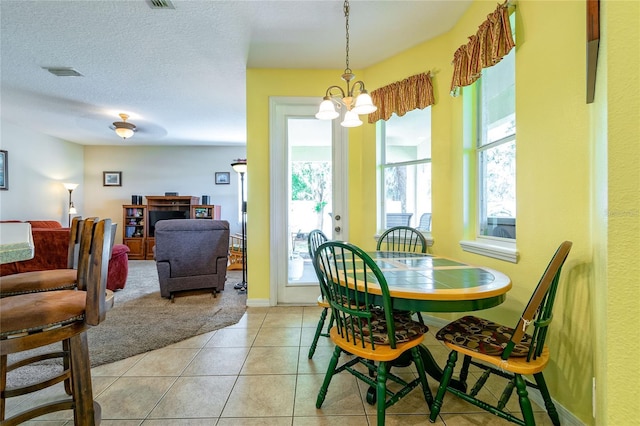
x: 141, y: 320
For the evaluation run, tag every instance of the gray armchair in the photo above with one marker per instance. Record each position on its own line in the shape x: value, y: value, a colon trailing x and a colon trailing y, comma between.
x: 191, y: 254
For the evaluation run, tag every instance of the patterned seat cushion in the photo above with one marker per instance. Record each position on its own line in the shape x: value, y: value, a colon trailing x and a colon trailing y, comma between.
x: 406, y: 328
x: 483, y: 336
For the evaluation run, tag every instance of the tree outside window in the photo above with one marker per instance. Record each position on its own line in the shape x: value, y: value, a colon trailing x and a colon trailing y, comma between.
x: 310, y: 181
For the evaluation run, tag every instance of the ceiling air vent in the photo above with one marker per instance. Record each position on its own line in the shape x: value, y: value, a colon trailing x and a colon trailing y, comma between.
x: 63, y: 71
x: 160, y: 4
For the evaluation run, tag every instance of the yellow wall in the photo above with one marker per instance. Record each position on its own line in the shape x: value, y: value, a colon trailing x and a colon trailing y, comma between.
x: 261, y: 84
x: 559, y: 182
x: 618, y: 212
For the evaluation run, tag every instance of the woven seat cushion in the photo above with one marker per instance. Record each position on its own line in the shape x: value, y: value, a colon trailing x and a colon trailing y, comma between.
x: 406, y: 328
x: 482, y: 336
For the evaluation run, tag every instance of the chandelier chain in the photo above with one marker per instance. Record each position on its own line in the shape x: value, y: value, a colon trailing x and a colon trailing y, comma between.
x: 355, y: 99
x: 346, y: 15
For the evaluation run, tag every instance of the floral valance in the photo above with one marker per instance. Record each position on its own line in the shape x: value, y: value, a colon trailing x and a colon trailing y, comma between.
x: 402, y: 96
x: 485, y: 48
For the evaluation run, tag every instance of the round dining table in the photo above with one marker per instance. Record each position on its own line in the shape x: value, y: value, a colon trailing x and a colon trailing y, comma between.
x: 421, y: 282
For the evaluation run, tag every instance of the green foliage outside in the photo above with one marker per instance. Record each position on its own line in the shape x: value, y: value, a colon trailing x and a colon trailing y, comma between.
x: 311, y: 181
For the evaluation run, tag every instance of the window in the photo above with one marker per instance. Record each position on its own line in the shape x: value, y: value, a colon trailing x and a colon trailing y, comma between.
x: 406, y: 170
x: 496, y: 150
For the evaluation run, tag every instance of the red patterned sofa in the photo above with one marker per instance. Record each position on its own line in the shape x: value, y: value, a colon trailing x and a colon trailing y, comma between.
x: 51, y: 241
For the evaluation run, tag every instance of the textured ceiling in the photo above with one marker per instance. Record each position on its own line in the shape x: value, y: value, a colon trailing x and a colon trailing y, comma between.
x: 180, y: 73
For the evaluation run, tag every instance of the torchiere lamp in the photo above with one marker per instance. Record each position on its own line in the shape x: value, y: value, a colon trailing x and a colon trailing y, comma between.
x: 72, y: 209
x: 240, y: 166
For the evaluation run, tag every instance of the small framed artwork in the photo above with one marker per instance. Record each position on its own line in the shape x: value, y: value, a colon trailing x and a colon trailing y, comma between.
x: 223, y: 178
x: 4, y: 170
x: 111, y: 178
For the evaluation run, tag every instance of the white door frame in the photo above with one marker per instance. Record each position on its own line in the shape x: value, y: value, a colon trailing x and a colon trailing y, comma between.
x: 280, y: 109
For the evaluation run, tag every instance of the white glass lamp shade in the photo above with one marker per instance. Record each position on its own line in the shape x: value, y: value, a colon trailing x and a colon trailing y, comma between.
x: 364, y: 104
x: 124, y: 132
x: 327, y: 110
x: 239, y: 166
x: 72, y: 210
x: 70, y: 186
x: 351, y: 119
x: 122, y: 128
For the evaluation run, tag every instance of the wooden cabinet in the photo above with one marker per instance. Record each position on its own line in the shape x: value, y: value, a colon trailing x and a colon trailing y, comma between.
x: 139, y: 220
x: 205, y: 211
x: 162, y: 208
x: 134, y: 220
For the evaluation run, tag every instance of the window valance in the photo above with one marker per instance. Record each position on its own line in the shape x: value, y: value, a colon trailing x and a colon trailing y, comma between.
x: 485, y: 48
x: 402, y: 96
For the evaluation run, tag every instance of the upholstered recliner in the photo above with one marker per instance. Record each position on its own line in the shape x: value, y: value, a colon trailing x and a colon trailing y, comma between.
x: 191, y: 254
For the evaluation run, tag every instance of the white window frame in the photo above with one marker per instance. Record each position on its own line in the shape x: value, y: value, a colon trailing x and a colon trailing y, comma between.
x: 495, y: 247
x: 381, y: 178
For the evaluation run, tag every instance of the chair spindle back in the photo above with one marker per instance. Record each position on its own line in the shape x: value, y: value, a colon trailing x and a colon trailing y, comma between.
x: 346, y: 274
x: 316, y: 237
x: 402, y: 238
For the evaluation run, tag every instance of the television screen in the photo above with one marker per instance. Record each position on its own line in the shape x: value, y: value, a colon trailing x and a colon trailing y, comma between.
x: 156, y: 215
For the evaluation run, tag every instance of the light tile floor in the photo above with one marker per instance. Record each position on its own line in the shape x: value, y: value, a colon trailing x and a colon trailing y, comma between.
x: 255, y: 372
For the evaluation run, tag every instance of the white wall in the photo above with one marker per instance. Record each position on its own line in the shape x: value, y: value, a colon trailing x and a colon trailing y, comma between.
x: 38, y: 164
x: 154, y: 170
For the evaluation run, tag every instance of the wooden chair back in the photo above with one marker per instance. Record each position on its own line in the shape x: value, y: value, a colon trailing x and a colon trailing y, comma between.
x: 316, y: 237
x: 98, y: 235
x: 539, y: 310
x: 346, y: 274
x: 74, y: 242
x: 402, y: 238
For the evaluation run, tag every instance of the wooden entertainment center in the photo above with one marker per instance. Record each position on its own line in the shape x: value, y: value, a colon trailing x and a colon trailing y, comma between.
x: 139, y: 219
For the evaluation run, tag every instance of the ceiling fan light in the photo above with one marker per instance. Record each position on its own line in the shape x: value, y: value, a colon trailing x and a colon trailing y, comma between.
x: 122, y: 128
x: 327, y: 110
x: 351, y: 119
x: 364, y: 104
x: 123, y: 132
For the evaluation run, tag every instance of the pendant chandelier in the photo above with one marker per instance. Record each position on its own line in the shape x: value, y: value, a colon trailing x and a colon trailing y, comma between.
x: 336, y: 96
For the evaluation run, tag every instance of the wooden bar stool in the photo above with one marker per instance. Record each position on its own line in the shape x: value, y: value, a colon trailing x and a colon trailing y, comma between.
x: 52, y: 279
x: 33, y: 320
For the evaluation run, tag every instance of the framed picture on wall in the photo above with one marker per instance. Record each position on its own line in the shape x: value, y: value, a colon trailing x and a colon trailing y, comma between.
x: 223, y: 178
x: 4, y: 170
x: 111, y: 178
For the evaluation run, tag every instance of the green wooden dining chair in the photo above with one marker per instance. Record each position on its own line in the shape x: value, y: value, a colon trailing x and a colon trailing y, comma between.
x: 371, y: 335
x: 510, y: 353
x: 317, y: 237
x: 402, y: 238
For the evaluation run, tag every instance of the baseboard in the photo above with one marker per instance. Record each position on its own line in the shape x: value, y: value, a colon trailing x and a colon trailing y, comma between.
x: 258, y: 303
x: 566, y: 416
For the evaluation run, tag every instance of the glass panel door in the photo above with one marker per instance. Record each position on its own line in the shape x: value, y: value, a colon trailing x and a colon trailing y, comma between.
x: 308, y: 191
